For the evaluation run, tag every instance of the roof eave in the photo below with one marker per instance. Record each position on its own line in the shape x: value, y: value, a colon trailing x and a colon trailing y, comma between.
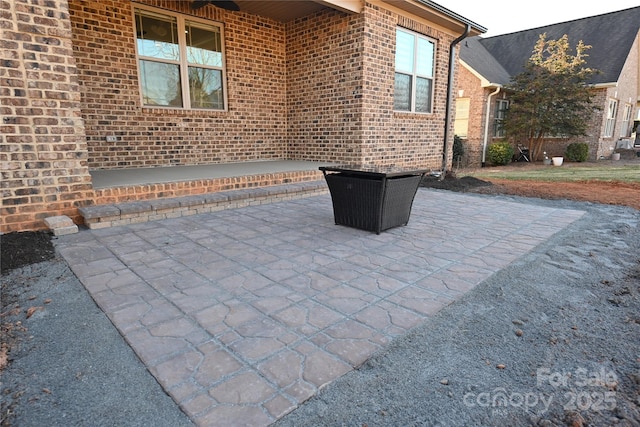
x: 442, y: 16
x: 484, y: 83
x: 476, y: 29
x: 605, y: 85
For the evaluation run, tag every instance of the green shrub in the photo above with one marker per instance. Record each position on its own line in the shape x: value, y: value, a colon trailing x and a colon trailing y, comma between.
x: 458, y: 148
x: 577, y: 152
x: 500, y: 153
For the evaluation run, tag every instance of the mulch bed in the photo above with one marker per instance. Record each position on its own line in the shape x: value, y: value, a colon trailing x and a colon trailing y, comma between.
x: 26, y: 248
x: 452, y: 183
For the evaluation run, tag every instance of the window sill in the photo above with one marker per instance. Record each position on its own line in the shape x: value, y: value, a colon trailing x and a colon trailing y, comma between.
x: 168, y: 111
x: 410, y: 113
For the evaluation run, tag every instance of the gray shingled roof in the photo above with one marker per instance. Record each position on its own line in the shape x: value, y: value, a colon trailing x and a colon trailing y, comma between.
x: 611, y: 36
x: 474, y: 53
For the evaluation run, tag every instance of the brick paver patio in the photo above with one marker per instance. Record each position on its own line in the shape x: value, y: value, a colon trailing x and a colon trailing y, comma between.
x: 244, y: 314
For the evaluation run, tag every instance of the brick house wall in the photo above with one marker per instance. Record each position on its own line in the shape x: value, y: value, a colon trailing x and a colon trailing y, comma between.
x: 43, y: 152
x: 316, y: 88
x: 469, y: 86
x: 396, y: 138
x: 340, y: 92
x: 253, y: 128
x: 600, y: 147
x: 625, y: 91
x: 594, y: 132
x: 296, y: 91
x: 324, y: 87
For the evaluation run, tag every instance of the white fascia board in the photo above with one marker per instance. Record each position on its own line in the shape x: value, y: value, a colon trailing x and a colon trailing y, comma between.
x: 351, y: 6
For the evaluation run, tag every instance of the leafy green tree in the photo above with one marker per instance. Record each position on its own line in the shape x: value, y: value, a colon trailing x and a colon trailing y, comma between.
x: 551, y: 96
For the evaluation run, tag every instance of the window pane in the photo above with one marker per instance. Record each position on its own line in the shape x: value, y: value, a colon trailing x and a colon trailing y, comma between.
x: 204, y: 45
x: 461, y: 123
x: 402, y: 93
x: 423, y: 95
x: 157, y: 36
x: 205, y: 87
x: 462, y: 108
x: 613, y: 109
x: 626, y: 118
x: 160, y: 84
x: 425, y: 58
x: 404, y: 51
x: 501, y: 109
x: 611, y: 118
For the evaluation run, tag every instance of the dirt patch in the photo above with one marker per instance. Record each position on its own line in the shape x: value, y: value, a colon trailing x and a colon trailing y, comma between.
x: 608, y: 193
x: 452, y: 183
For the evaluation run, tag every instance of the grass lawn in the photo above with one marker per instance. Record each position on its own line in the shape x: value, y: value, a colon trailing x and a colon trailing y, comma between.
x: 567, y: 172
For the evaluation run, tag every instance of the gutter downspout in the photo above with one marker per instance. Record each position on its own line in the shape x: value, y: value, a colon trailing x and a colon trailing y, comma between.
x: 486, y: 125
x: 447, y: 116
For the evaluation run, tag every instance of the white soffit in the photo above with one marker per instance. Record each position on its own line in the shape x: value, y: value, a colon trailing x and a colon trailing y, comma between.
x: 354, y: 6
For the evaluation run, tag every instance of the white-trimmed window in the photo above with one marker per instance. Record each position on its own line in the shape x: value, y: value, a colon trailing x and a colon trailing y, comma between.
x: 502, y: 105
x: 180, y: 60
x: 415, y: 55
x: 461, y: 123
x: 612, y: 112
x: 626, y: 129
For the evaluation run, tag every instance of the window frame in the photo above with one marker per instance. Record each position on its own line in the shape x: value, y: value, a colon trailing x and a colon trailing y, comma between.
x: 414, y: 74
x: 610, y: 121
x: 461, y: 122
x: 498, y: 118
x: 626, y: 129
x: 183, y: 63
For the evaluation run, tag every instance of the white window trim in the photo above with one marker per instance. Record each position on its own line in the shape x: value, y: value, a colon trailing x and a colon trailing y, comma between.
x: 414, y: 74
x: 183, y: 63
x: 610, y: 123
x: 626, y: 129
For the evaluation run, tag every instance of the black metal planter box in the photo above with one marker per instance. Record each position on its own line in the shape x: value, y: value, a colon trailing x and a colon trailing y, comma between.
x: 372, y: 199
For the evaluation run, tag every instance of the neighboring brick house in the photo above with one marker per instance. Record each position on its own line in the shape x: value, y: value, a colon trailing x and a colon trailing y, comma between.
x: 95, y: 85
x: 489, y: 63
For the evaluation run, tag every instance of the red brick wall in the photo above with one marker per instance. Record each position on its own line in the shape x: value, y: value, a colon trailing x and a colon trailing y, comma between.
x: 341, y: 92
x: 320, y: 88
x: 295, y: 91
x: 469, y: 84
x: 593, y: 138
x: 253, y: 128
x: 324, y: 96
x: 403, y: 139
x: 43, y: 151
x: 558, y: 146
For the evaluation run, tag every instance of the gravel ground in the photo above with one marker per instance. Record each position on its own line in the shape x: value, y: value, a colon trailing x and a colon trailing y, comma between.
x: 69, y: 366
x: 552, y: 340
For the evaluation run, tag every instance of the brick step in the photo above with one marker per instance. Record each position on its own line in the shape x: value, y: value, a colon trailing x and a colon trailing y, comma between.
x: 123, y: 213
